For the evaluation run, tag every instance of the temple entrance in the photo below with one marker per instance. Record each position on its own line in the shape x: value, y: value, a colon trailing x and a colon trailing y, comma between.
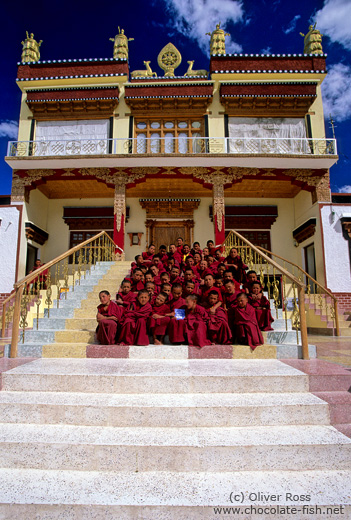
x: 162, y: 232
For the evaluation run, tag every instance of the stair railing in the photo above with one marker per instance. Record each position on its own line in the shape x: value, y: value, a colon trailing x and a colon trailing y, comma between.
x: 318, y: 295
x: 286, y: 290
x: 51, y: 282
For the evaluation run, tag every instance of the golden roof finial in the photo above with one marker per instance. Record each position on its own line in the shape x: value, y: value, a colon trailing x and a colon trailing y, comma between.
x: 312, y: 41
x: 30, y: 49
x: 217, y: 42
x: 120, y: 48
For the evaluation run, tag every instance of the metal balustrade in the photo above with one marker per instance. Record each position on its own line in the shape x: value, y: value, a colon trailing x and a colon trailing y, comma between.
x: 174, y: 145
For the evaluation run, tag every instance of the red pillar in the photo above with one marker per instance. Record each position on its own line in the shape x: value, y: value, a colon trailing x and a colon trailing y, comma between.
x: 218, y: 211
x: 119, y: 217
x: 219, y: 230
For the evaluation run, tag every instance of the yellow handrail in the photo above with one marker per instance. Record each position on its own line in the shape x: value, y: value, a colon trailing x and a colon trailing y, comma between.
x: 23, y: 284
x: 324, y: 289
x: 285, y: 273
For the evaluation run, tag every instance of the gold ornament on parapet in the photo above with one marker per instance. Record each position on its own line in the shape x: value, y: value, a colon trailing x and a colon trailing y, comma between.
x: 120, y: 48
x: 217, y: 42
x: 30, y: 49
x: 191, y: 73
x: 312, y: 41
x: 147, y: 73
x: 169, y: 59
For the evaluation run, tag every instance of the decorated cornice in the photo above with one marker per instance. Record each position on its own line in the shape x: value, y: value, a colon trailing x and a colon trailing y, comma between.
x: 68, y: 69
x: 272, y: 89
x: 169, y: 90
x: 72, y: 94
x: 273, y: 63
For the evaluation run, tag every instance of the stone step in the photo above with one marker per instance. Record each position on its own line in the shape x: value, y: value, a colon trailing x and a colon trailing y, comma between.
x: 156, y: 376
x: 175, y: 410
x: 39, y: 494
x: 88, y: 448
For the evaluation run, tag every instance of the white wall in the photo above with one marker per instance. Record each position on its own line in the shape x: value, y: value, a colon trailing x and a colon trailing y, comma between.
x: 336, y: 248
x: 8, y: 247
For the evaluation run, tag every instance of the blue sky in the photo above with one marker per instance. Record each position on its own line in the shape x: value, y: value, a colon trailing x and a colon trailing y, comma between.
x: 77, y: 29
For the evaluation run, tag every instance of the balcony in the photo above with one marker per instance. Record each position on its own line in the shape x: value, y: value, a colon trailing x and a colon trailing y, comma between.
x: 171, y: 151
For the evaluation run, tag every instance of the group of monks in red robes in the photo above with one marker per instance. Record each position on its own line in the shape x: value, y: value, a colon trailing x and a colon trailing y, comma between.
x: 189, y: 295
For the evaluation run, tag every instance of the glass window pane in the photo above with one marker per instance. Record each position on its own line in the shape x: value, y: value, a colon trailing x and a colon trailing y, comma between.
x: 155, y: 124
x: 169, y: 143
x: 141, y: 126
x: 196, y: 124
x: 182, y: 143
x: 155, y: 143
x: 182, y: 124
x: 169, y: 124
x: 141, y: 143
x: 197, y: 143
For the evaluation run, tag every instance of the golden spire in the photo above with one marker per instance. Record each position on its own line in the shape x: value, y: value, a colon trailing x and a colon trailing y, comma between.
x: 312, y: 41
x: 217, y: 42
x: 30, y: 49
x: 120, y: 48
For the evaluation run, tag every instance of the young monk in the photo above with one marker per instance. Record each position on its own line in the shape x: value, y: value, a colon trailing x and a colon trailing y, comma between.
x: 125, y: 296
x: 209, y: 285
x: 152, y: 291
x: 136, y: 280
x: 218, y: 328
x: 138, y: 262
x: 196, y: 320
x: 251, y: 277
x: 189, y: 288
x: 230, y: 298
x: 246, y: 326
x: 149, y: 254
x: 167, y: 288
x: 176, y: 327
x: 108, y: 317
x: 203, y: 270
x: 262, y: 307
x: 159, y: 318
x: 134, y: 330
x: 236, y: 265
x: 175, y: 275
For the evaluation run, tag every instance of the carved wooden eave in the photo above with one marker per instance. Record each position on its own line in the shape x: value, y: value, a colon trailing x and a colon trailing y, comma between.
x: 73, y: 102
x: 166, y: 208
x: 305, y: 231
x: 35, y: 233
x: 273, y: 98
x: 194, y: 96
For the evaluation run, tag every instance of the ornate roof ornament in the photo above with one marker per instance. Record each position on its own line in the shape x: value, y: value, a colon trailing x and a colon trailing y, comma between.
x: 217, y: 42
x: 169, y: 59
x: 30, y: 49
x: 312, y: 41
x: 120, y: 48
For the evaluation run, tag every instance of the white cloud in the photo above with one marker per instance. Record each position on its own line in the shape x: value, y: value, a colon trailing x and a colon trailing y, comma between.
x: 292, y: 25
x: 336, y: 90
x: 9, y: 129
x: 266, y: 50
x: 194, y: 18
x: 345, y: 189
x: 333, y: 20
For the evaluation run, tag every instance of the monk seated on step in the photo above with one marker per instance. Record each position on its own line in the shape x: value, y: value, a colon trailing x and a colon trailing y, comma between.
x: 125, y: 295
x: 176, y: 326
x: 108, y: 317
x: 134, y: 331
x: 246, y: 326
x: 251, y: 279
x: 262, y: 307
x: 152, y: 291
x: 159, y: 318
x: 218, y: 329
x: 196, y: 320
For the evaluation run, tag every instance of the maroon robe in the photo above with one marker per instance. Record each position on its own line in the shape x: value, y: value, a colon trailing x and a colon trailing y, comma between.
x: 127, y: 299
x: 176, y: 328
x: 246, y: 326
x: 178, y: 279
x: 204, y: 272
x: 147, y: 258
x: 263, y: 312
x: 158, y: 326
x: 196, y: 327
x: 240, y: 273
x: 134, y: 325
x: 106, y: 331
x: 218, y: 328
x: 205, y: 291
x: 231, y: 303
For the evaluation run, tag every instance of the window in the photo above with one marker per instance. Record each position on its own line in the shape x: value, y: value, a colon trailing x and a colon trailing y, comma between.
x: 267, y: 135
x: 78, y: 137
x: 257, y: 238
x: 77, y: 237
x: 169, y: 135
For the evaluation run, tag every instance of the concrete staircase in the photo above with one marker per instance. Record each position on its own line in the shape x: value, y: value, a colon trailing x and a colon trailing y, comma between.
x: 134, y: 439
x: 70, y: 330
x: 321, y: 323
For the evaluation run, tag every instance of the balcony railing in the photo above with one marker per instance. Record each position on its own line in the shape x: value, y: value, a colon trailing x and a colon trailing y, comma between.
x: 174, y: 145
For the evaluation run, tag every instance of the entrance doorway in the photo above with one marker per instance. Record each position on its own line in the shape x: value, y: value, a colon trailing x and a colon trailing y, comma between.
x: 32, y: 255
x: 310, y: 261
x: 167, y: 232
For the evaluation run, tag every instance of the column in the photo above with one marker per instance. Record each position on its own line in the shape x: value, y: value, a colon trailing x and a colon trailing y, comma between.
x: 218, y: 210
x: 119, y: 217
